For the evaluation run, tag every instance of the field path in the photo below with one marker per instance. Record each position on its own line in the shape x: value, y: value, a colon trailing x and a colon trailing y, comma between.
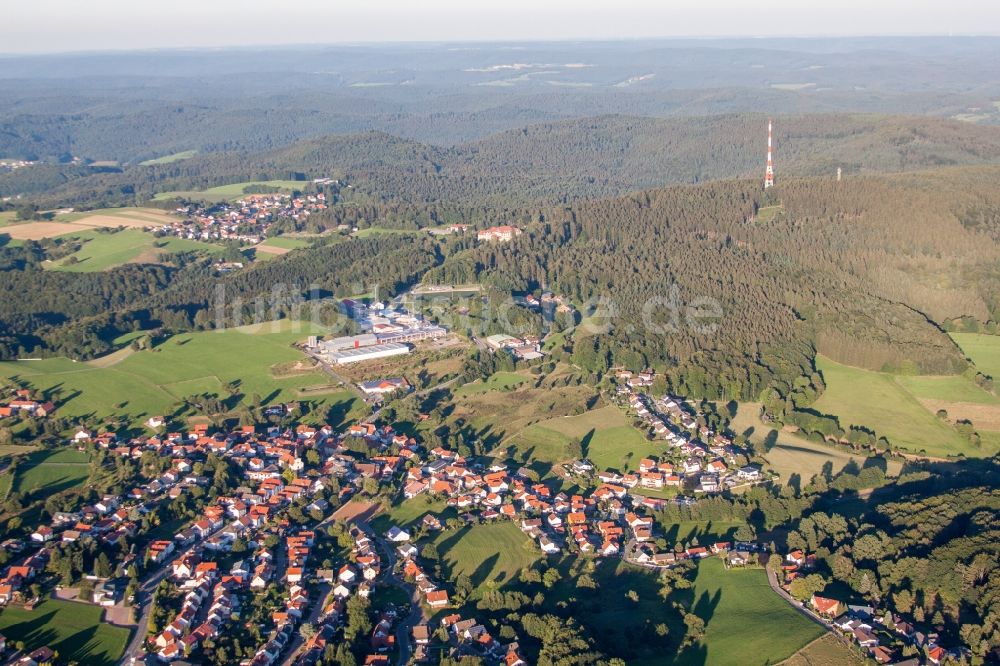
x: 112, y: 359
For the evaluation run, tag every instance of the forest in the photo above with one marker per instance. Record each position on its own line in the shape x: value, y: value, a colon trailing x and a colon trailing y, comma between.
x: 543, y: 164
x: 730, y: 290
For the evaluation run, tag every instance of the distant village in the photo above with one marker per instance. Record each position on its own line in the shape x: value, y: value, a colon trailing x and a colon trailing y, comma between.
x: 247, y: 220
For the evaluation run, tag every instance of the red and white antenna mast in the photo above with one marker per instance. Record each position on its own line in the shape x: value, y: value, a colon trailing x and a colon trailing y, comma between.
x: 769, y: 173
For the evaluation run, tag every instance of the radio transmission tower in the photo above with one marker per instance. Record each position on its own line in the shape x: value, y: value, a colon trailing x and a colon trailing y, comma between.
x: 769, y: 172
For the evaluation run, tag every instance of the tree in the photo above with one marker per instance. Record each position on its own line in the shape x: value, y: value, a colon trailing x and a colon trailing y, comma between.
x: 102, y: 567
x: 695, y: 629
x: 745, y: 532
x: 804, y: 587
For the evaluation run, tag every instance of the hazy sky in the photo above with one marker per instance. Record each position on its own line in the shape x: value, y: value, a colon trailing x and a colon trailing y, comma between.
x: 70, y: 25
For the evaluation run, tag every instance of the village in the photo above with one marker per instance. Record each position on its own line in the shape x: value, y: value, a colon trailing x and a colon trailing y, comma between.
x: 247, y: 220
x: 283, y: 504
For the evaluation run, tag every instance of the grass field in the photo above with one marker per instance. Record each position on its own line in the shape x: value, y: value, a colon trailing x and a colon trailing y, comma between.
x: 706, y: 531
x: 824, y: 651
x: 408, y: 512
x: 74, y: 630
x: 16, y: 449
x: 497, y: 417
x: 490, y: 555
x: 768, y: 213
x: 743, y: 617
x: 102, y: 251
x: 169, y: 159
x: 794, y: 454
x: 52, y: 471
x: 880, y: 402
x: 495, y: 382
x: 984, y: 350
x: 381, y: 231
x: 286, y: 242
x: 232, y: 191
x: 606, y: 436
x: 608, y: 439
x: 149, y: 382
x: 951, y: 388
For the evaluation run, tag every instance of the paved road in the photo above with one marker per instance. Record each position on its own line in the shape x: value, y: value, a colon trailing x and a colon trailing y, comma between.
x: 293, y: 647
x: 404, y: 627
x: 772, y: 580
x: 146, y: 588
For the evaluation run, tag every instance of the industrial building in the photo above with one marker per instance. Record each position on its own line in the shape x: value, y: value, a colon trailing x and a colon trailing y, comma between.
x: 355, y: 355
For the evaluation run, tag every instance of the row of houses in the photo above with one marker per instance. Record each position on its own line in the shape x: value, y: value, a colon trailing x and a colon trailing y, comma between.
x: 704, y: 460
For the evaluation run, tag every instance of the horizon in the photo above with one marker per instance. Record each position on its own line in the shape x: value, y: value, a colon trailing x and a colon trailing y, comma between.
x: 57, y: 27
x: 306, y: 46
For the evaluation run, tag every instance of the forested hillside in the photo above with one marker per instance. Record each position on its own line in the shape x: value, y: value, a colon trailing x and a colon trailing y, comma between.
x: 585, y: 158
x: 860, y: 270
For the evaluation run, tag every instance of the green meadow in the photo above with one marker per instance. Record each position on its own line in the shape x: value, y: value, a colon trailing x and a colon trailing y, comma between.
x: 984, y: 350
x: 232, y: 191
x: 169, y: 159
x: 74, y: 630
x: 287, y: 242
x: 883, y: 403
x: 490, y: 555
x: 102, y: 250
x: 606, y: 436
x: 52, y: 471
x: 150, y: 382
x: 743, y: 617
x: 496, y: 382
x: 791, y: 453
x: 950, y: 388
x: 740, y: 612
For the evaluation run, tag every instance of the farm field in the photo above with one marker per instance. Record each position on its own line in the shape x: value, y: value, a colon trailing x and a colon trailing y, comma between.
x: 824, y: 651
x: 52, y: 471
x: 490, y: 555
x: 285, y: 242
x: 953, y: 388
x: 102, y: 251
x: 169, y: 159
x: 741, y: 613
x: 381, y: 231
x: 496, y: 382
x: 794, y: 454
x: 877, y: 401
x: 73, y: 629
x: 231, y: 191
x: 984, y: 350
x: 149, y: 382
x: 16, y: 449
x: 79, y: 222
x: 705, y: 531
